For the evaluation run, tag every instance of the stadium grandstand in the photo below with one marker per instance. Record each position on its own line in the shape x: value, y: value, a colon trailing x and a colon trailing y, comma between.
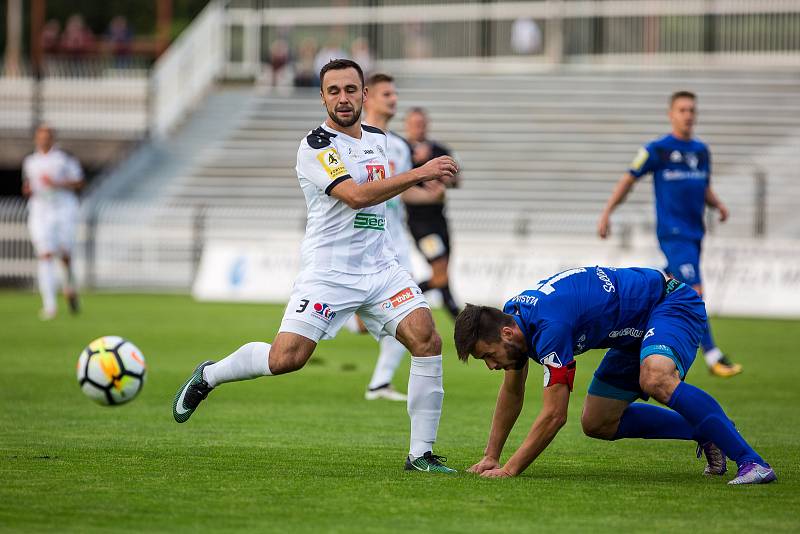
x: 544, y: 103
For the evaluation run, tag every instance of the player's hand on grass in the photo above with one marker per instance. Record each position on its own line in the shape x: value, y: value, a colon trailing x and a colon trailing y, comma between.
x: 437, y: 168
x: 487, y: 463
x: 500, y: 472
x: 603, y: 226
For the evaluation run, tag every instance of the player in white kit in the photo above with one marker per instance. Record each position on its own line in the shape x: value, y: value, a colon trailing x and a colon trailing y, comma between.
x: 51, y: 179
x: 379, y: 109
x: 347, y: 266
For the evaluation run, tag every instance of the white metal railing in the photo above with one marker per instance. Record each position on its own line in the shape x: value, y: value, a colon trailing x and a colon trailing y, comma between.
x: 737, y: 32
x: 188, y: 68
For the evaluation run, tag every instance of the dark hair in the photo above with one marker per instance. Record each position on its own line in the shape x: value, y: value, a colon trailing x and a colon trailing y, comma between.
x: 417, y: 109
x: 478, y: 323
x: 379, y: 77
x: 341, y: 64
x: 681, y: 94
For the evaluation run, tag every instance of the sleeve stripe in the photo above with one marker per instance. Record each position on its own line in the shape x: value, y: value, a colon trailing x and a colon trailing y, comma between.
x: 335, y: 183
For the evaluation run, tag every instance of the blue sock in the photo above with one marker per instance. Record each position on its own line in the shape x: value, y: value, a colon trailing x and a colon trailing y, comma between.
x: 707, y: 340
x: 641, y: 420
x: 706, y: 416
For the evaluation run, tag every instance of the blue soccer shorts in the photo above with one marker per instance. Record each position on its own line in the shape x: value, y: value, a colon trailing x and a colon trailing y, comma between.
x: 673, y: 329
x: 683, y: 259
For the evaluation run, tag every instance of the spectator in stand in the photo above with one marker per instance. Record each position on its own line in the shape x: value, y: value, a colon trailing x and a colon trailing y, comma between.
x: 304, y: 73
x: 278, y: 61
x: 330, y: 51
x: 120, y: 40
x: 50, y: 37
x: 360, y: 53
x: 77, y: 40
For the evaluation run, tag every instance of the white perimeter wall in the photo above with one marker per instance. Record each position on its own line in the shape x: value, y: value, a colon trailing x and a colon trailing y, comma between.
x: 742, y: 277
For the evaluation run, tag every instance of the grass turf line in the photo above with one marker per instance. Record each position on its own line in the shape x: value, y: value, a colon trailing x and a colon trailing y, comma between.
x: 306, y: 453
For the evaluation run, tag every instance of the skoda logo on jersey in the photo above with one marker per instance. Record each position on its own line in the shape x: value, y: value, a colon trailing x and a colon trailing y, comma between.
x: 675, y: 156
x: 324, y: 311
x: 692, y: 160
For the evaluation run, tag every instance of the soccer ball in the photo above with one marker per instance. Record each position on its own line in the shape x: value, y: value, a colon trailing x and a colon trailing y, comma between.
x: 111, y: 370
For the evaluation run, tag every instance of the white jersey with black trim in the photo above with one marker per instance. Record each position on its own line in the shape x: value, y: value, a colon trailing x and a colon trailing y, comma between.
x: 60, y: 168
x: 339, y: 238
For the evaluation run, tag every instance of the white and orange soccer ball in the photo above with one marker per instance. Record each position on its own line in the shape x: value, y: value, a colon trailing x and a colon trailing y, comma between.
x: 111, y: 370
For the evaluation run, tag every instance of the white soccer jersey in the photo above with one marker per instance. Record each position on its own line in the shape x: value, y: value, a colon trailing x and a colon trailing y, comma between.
x: 339, y: 238
x: 399, y: 153
x: 60, y: 168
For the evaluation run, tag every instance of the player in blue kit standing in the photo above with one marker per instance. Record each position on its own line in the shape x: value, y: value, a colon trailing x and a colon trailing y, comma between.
x: 681, y: 169
x: 651, y: 326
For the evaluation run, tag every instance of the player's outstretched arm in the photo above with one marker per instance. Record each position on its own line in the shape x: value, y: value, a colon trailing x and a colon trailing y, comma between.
x: 552, y: 417
x: 509, y: 405
x: 371, y: 193
x: 713, y: 201
x: 621, y: 190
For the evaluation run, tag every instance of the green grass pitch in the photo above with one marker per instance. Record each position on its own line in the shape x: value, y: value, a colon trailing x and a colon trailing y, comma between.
x: 306, y: 453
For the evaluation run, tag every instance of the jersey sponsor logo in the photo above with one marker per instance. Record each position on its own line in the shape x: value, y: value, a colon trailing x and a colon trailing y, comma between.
x: 375, y: 172
x: 332, y: 163
x: 526, y: 299
x: 608, y: 286
x: 632, y: 332
x: 369, y: 221
x: 398, y: 299
x: 552, y: 360
x: 368, y: 151
x: 649, y: 333
x: 324, y: 311
x: 677, y: 174
x: 640, y: 159
x: 687, y: 271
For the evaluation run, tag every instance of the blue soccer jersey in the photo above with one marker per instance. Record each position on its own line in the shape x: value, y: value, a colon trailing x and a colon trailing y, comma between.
x: 586, y: 308
x: 634, y: 312
x: 681, y: 172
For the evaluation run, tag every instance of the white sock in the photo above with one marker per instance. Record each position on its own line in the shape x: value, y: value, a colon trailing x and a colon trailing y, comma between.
x: 712, y: 356
x: 391, y: 354
x: 248, y: 361
x: 425, y: 395
x: 47, y: 285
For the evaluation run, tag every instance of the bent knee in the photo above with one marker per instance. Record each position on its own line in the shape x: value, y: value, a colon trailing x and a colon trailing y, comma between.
x: 598, y: 429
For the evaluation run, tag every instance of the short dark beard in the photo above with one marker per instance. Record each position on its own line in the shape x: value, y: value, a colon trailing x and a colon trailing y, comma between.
x: 346, y: 124
x: 517, y: 354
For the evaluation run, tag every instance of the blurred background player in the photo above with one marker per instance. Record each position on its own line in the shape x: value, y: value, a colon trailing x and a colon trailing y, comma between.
x: 681, y: 168
x: 51, y: 179
x: 425, y: 208
x: 379, y: 108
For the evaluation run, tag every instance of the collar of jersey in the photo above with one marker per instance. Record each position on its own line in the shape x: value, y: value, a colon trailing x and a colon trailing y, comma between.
x: 337, y: 133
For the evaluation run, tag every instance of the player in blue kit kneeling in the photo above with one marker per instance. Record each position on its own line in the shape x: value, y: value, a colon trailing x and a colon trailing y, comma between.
x: 652, y: 327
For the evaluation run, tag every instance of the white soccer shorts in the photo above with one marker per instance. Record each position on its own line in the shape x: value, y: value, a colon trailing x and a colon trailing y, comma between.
x: 53, y: 230
x: 322, y: 302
